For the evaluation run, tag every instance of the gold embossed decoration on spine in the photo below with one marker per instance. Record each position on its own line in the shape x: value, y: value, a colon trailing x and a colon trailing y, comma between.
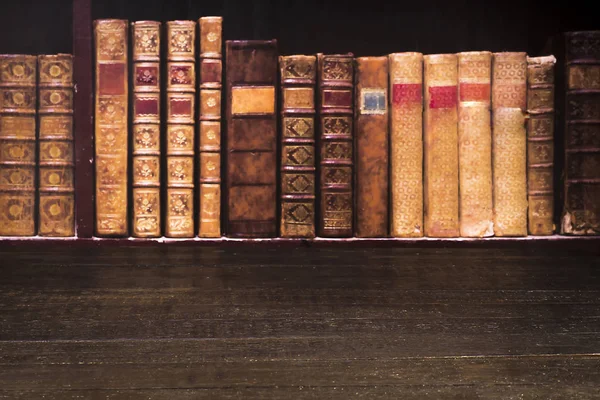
x: 298, y: 79
x: 441, y: 146
x: 18, y: 75
x: 475, y: 144
x: 181, y: 84
x: 56, y: 194
x: 111, y: 141
x: 406, y: 136
x: 509, y: 143
x: 146, y: 197
x: 211, y: 67
x: 540, y: 144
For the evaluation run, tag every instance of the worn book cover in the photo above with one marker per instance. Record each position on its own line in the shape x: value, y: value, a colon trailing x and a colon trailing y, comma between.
x: 372, y: 143
x: 56, y: 207
x: 18, y: 76
x: 441, y: 145
x: 406, y: 144
x: 251, y: 75
x: 298, y: 79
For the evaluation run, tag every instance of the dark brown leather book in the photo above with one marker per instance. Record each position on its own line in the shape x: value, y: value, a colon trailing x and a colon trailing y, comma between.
x: 17, y: 144
x: 298, y: 80
x: 581, y: 213
x: 372, y: 141
x: 335, y: 115
x: 56, y: 209
x: 251, y: 75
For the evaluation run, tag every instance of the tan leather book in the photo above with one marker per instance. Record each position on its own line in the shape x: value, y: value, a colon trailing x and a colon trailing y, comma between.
x: 406, y: 137
x: 581, y: 208
x: 181, y: 89
x: 56, y: 207
x: 251, y: 72
x: 475, y: 144
x: 18, y: 76
x: 146, y: 218
x: 111, y: 141
x: 211, y: 67
x: 540, y: 144
x: 372, y: 142
x: 298, y: 79
x: 441, y: 145
x: 335, y: 108
x: 509, y: 143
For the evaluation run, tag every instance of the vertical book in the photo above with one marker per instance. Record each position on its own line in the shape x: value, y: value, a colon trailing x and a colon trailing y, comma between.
x: 146, y: 218
x: 335, y: 109
x: 211, y: 67
x: 111, y: 114
x: 251, y: 75
x: 372, y: 141
x: 56, y: 206
x: 298, y: 80
x: 18, y: 76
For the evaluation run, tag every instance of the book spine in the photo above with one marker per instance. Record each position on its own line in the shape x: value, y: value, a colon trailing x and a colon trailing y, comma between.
x: 441, y: 146
x: 298, y: 81
x: 146, y: 218
x: 111, y: 115
x: 372, y: 142
x: 251, y: 74
x: 18, y: 75
x: 181, y: 89
x: 336, y: 131
x: 581, y: 213
x: 540, y: 144
x: 509, y: 143
x: 475, y: 144
x: 406, y: 136
x: 211, y: 67
x: 56, y: 206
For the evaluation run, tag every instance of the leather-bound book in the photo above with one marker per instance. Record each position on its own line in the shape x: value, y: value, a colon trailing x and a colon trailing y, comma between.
x: 18, y: 75
x: 181, y: 93
x: 298, y: 80
x: 406, y: 144
x: 251, y: 75
x: 509, y: 143
x: 475, y: 144
x: 56, y: 207
x: 441, y: 145
x: 581, y: 212
x: 146, y: 218
x: 372, y: 141
x: 111, y: 114
x: 211, y: 66
x: 335, y: 108
x: 540, y: 144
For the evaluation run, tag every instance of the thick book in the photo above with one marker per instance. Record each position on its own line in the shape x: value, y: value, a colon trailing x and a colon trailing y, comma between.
x: 441, y: 208
x: 509, y: 143
x: 581, y: 212
x: 335, y: 110
x: 56, y: 205
x: 111, y: 117
x: 475, y: 144
x: 372, y: 142
x: 18, y: 76
x: 181, y: 94
x: 251, y: 187
x: 210, y: 67
x: 540, y: 144
x: 406, y: 144
x: 146, y: 190
x: 298, y: 80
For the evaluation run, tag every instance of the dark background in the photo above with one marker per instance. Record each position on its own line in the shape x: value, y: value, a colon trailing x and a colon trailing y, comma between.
x: 371, y: 27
